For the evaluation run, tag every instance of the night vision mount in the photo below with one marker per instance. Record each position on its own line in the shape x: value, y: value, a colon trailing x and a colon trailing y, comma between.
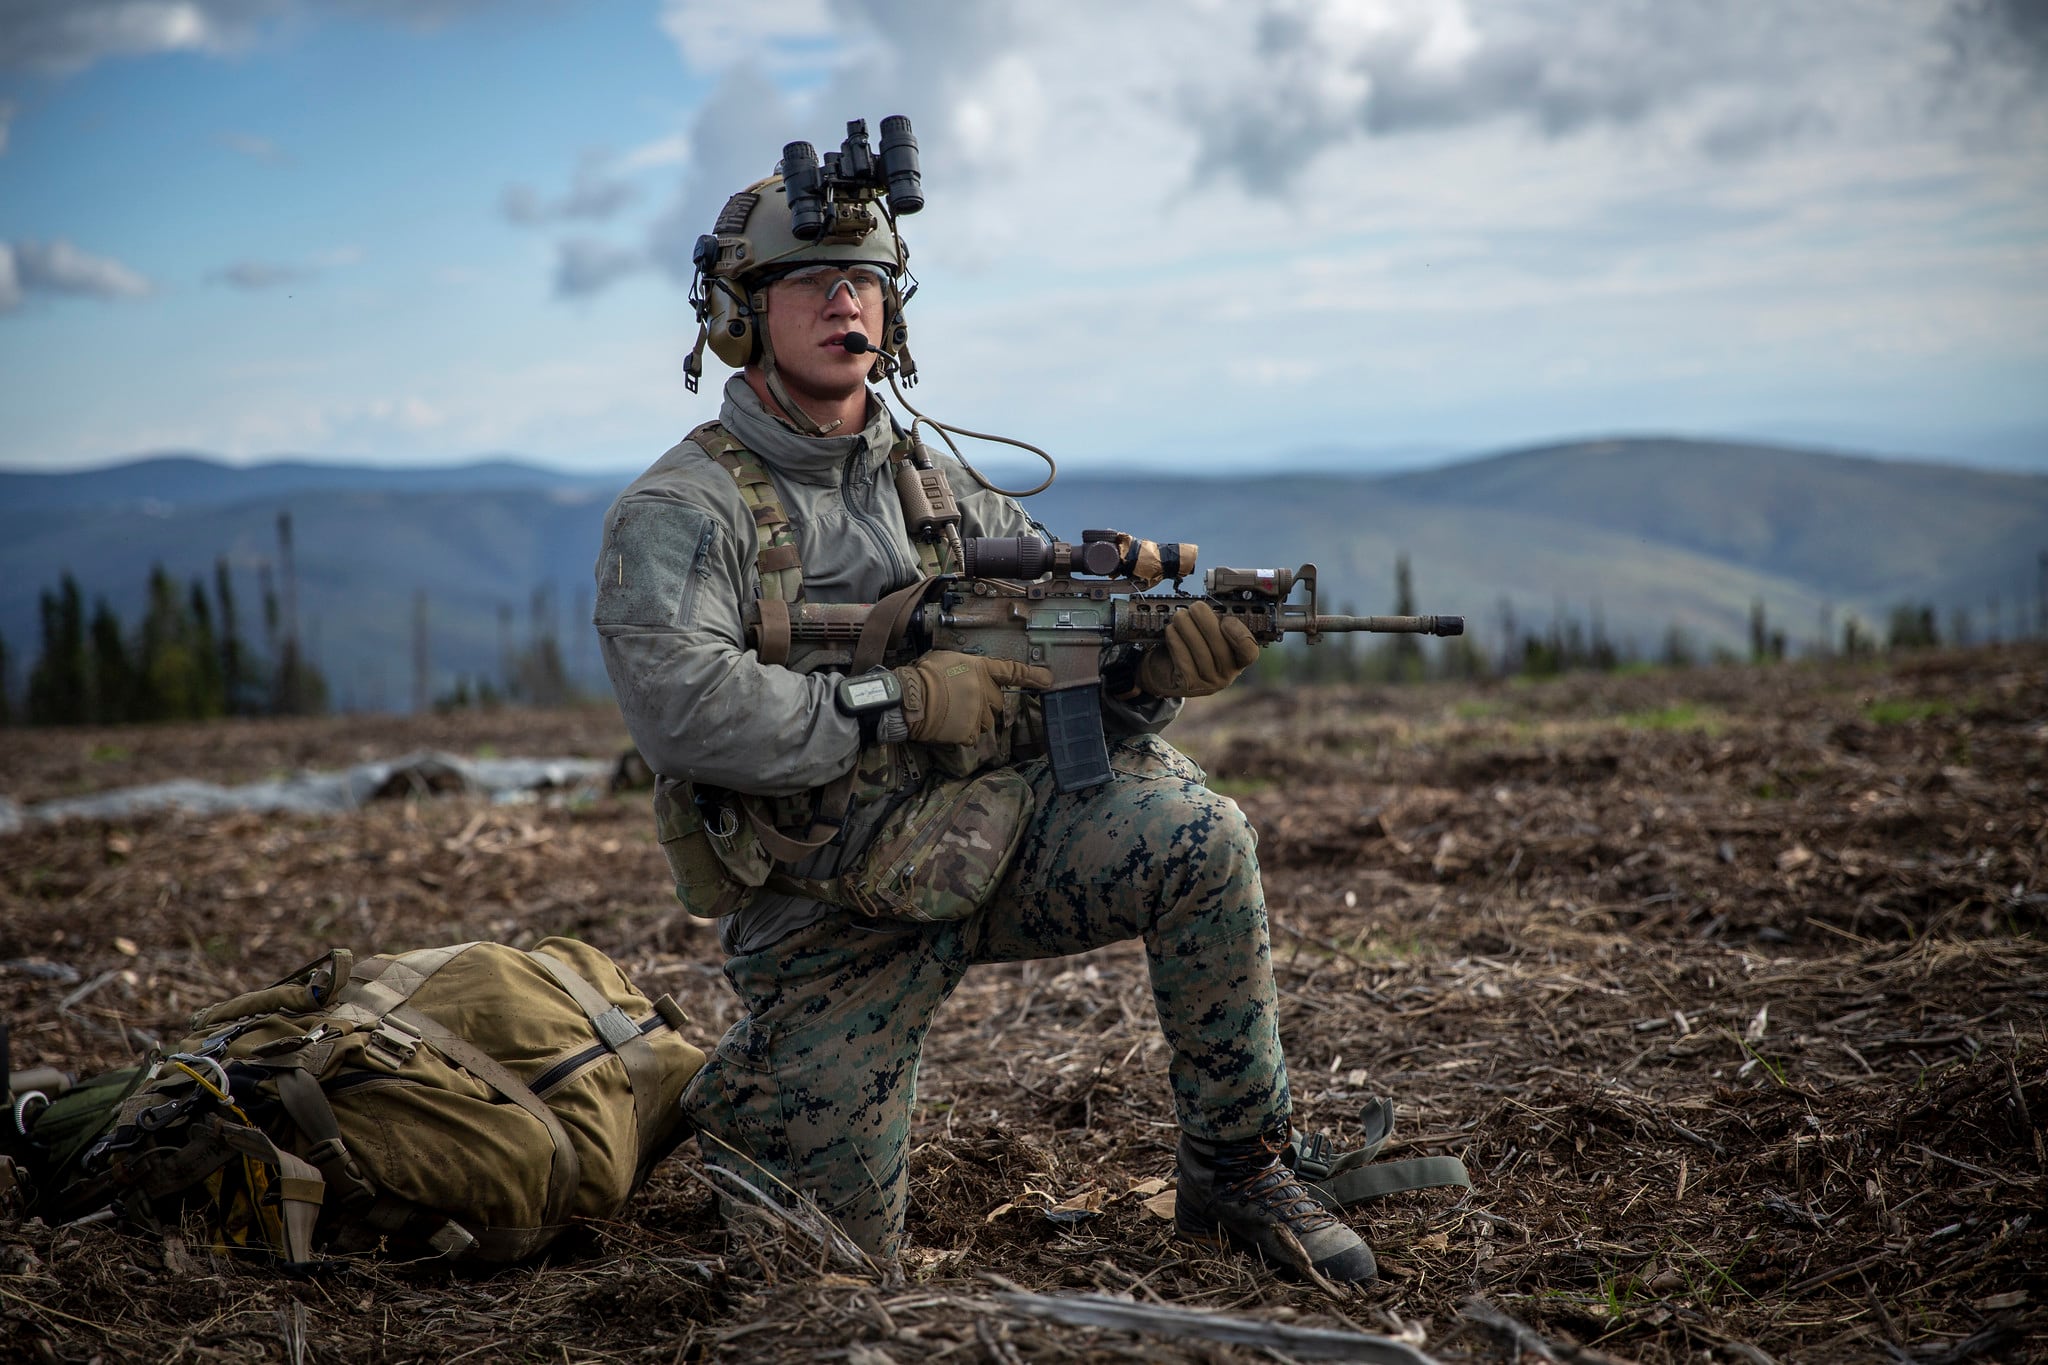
x: 830, y: 201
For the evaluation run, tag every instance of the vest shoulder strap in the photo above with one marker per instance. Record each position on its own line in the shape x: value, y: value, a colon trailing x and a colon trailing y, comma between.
x: 776, y: 559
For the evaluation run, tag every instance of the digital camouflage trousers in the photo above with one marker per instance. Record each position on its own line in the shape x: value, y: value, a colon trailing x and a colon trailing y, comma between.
x: 812, y: 1091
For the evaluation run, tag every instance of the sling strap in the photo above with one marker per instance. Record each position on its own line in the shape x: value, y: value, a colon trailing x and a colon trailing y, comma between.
x: 1340, y: 1180
x: 885, y: 626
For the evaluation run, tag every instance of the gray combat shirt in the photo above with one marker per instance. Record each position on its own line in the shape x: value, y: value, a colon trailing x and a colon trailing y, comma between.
x: 673, y: 580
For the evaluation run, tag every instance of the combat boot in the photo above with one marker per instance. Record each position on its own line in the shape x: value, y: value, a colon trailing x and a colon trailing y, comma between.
x: 1242, y: 1194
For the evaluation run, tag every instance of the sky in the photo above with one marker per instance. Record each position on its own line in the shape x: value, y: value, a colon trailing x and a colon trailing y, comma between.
x: 1205, y: 234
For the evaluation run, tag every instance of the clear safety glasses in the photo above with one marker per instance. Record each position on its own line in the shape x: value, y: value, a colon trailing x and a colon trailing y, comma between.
x: 819, y: 282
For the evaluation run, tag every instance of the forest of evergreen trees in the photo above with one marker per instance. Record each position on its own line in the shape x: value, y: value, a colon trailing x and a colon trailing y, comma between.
x: 187, y: 659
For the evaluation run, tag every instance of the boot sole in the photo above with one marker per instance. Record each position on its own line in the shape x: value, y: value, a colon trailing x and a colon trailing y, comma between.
x: 1222, y: 1239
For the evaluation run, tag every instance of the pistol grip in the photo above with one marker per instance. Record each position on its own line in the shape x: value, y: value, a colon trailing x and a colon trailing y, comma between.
x: 1073, y: 737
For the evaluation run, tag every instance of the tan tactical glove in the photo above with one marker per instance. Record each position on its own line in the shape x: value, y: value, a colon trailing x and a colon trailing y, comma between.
x: 1204, y: 654
x: 954, y: 698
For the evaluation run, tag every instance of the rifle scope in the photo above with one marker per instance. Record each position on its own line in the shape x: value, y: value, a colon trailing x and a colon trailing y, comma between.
x: 1028, y: 557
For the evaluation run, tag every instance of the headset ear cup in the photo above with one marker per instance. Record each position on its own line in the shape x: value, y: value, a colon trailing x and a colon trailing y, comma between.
x: 731, y: 320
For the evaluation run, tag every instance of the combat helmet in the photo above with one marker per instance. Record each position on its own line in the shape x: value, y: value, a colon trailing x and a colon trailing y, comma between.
x: 842, y: 212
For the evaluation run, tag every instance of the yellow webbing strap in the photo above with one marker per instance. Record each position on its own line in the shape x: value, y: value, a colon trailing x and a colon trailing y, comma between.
x: 622, y: 1035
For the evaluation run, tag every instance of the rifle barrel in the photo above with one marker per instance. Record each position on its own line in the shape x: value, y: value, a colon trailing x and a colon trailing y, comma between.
x: 1323, y: 623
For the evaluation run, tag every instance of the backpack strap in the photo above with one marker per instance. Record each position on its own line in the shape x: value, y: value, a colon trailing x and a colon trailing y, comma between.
x: 300, y: 1186
x: 1340, y: 1180
x: 305, y: 1104
x: 375, y: 995
x: 619, y: 1033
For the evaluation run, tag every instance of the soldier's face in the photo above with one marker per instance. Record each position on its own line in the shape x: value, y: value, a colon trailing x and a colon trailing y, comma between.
x: 809, y: 315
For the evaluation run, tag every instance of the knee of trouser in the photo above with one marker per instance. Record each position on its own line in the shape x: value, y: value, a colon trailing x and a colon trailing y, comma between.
x: 777, y: 1135
x: 1207, y: 833
x: 872, y: 1218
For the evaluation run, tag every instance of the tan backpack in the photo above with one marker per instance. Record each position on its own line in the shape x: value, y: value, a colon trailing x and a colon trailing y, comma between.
x: 468, y: 1101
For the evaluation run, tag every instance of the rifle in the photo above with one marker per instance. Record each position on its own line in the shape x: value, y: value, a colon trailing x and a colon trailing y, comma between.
x: 1058, y: 605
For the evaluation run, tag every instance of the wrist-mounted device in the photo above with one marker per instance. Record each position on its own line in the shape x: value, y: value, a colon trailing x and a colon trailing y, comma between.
x: 875, y: 699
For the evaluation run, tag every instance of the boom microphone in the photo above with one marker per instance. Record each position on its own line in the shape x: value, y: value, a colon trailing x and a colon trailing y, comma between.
x: 857, y: 343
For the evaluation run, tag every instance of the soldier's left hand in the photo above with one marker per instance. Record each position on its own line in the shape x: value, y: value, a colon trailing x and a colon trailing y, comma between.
x: 1204, y: 654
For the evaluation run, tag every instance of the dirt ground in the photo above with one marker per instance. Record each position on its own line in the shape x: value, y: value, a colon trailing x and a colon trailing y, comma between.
x: 1728, y: 986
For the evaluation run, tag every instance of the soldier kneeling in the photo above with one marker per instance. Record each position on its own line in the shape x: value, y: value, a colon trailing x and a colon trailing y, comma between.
x: 779, y: 778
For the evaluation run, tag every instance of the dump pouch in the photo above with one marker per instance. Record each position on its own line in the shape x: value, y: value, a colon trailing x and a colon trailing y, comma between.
x: 716, y: 869
x: 940, y: 855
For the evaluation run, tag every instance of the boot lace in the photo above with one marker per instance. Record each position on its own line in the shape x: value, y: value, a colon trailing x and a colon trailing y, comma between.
x: 1277, y: 1192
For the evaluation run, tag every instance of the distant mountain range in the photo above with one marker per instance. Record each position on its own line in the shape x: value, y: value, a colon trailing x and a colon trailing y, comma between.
x: 1645, y: 532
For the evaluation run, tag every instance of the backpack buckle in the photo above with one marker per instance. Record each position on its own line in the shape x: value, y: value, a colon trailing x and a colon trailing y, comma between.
x: 1313, y: 1156
x: 452, y: 1239
x: 391, y: 1044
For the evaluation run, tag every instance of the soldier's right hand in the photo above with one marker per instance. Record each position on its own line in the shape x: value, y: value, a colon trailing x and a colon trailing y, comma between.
x: 954, y: 698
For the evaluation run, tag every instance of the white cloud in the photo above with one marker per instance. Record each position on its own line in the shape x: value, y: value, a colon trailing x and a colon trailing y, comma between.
x: 787, y: 35
x: 73, y: 34
x: 6, y: 122
x: 60, y: 268
x: 735, y: 140
x: 661, y: 153
x: 10, y: 282
x: 1294, y: 215
x: 63, y: 36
